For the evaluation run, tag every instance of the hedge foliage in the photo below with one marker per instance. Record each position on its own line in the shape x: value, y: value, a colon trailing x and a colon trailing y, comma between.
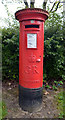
x: 53, y: 49
x: 10, y: 52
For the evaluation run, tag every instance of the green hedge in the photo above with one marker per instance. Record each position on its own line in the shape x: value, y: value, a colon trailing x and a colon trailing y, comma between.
x: 53, y: 49
x: 10, y: 52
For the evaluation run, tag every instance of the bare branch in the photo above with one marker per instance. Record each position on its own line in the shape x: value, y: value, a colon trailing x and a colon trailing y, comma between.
x: 32, y: 3
x: 26, y: 3
x: 56, y: 6
x: 44, y: 4
x: 53, y: 6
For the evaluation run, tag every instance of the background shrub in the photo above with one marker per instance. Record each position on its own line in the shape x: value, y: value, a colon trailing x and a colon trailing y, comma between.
x: 53, y: 49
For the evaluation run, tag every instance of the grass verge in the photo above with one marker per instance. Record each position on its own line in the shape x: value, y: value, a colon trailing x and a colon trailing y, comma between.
x: 3, y: 110
x: 61, y: 103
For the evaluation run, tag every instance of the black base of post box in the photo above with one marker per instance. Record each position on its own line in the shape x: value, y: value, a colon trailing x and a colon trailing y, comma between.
x: 30, y: 99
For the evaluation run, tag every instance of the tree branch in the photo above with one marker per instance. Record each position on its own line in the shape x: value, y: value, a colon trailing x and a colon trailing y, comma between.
x: 56, y: 6
x: 32, y: 3
x: 26, y: 3
x: 44, y: 4
x: 53, y: 6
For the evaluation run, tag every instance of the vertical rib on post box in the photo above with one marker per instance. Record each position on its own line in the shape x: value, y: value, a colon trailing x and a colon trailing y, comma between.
x: 31, y: 45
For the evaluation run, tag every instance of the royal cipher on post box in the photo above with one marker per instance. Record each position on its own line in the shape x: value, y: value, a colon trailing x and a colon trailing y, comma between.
x: 31, y: 49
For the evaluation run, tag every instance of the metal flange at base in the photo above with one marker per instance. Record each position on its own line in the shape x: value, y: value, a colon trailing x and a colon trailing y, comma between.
x: 30, y: 99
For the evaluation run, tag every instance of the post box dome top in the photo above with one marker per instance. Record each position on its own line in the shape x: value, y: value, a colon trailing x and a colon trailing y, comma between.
x: 31, y: 14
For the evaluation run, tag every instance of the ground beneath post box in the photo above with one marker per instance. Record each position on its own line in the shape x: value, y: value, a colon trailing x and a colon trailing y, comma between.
x: 10, y: 98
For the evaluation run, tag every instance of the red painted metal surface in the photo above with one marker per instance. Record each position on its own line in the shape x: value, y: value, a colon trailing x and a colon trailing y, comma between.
x: 31, y: 58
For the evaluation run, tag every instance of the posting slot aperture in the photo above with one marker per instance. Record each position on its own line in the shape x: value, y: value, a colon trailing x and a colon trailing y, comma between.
x: 31, y: 26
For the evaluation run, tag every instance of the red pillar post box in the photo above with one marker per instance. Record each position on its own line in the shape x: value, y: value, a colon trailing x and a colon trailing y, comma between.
x: 31, y: 45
